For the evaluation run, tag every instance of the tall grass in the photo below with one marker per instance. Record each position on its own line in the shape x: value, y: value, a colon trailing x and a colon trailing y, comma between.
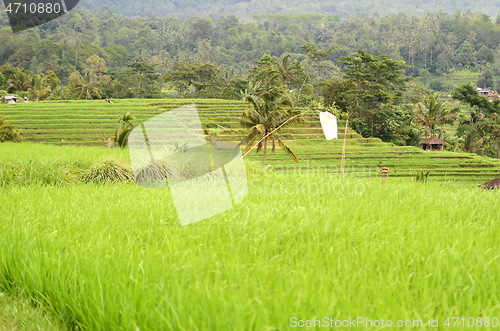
x: 114, y: 257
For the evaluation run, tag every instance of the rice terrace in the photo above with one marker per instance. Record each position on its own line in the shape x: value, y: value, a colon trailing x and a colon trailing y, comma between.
x: 107, y: 257
x: 249, y: 165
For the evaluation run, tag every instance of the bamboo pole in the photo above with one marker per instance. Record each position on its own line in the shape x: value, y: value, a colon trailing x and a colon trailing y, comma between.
x: 342, y: 163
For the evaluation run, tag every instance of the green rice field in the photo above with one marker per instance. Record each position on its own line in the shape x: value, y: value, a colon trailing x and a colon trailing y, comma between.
x: 303, y: 245
x: 78, y: 123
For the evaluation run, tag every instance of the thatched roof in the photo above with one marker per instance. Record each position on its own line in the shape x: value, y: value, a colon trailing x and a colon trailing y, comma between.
x: 433, y: 141
x: 495, y: 183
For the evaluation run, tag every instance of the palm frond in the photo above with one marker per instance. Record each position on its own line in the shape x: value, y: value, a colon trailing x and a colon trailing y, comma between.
x: 287, y: 150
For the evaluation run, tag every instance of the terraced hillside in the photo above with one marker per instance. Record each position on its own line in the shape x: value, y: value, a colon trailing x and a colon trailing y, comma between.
x: 78, y: 122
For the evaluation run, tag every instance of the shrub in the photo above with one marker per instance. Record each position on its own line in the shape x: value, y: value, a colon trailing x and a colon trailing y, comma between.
x: 110, y: 171
x: 8, y: 132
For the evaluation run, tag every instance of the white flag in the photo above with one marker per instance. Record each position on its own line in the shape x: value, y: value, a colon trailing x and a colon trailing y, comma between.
x: 329, y: 125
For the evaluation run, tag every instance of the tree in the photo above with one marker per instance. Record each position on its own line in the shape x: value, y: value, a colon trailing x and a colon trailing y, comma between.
x: 425, y: 76
x: 485, y: 79
x: 265, y: 113
x: 74, y: 83
x: 89, y: 86
x: 2, y: 80
x: 264, y: 71
x: 479, y: 108
x: 20, y: 82
x: 335, y: 91
x: 98, y: 67
x: 466, y: 56
x: 203, y: 77
x: 142, y: 79
x: 431, y: 112
x: 123, y: 130
x: 286, y: 71
x: 38, y: 86
x: 376, y: 81
x: 485, y: 55
x: 315, y: 53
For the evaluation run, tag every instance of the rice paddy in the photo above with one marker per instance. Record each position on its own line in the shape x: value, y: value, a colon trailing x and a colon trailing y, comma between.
x: 303, y: 245
x: 79, y: 123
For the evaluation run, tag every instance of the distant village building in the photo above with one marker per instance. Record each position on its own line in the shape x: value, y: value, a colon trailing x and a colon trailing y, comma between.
x: 433, y: 144
x: 490, y: 94
x: 11, y: 99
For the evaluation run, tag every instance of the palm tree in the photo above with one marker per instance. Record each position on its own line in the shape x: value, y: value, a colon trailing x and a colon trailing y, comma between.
x: 123, y: 130
x: 286, y: 70
x: 432, y: 113
x: 89, y: 86
x: 253, y: 88
x: 38, y: 86
x: 20, y: 82
x: 265, y: 113
x: 291, y: 72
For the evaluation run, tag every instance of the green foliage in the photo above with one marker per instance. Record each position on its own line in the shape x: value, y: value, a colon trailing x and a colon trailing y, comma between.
x: 205, y: 78
x: 479, y: 128
x: 466, y: 56
x: 335, y: 91
x: 88, y: 86
x: 109, y: 171
x: 106, y: 43
x: 486, y: 79
x: 8, y: 132
x: 375, y: 84
x: 2, y: 81
x: 19, y: 82
x: 432, y: 113
x: 39, y: 86
x: 267, y: 111
x: 341, y: 9
x: 422, y: 176
x: 123, y: 130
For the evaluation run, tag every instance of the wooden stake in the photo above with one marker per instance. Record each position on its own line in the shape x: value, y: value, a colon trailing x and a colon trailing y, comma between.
x: 342, y: 163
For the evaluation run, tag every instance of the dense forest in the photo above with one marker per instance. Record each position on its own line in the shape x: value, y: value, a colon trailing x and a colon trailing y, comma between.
x: 431, y: 44
x: 247, y: 9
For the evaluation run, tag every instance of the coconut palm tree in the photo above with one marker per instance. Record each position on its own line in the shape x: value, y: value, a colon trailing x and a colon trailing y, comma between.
x: 265, y: 113
x: 20, y: 82
x: 89, y: 85
x: 38, y: 87
x: 432, y: 113
x: 123, y: 130
x: 286, y: 70
x: 289, y: 72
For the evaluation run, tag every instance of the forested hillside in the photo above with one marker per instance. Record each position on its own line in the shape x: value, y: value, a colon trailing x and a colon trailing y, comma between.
x: 246, y: 9
x: 435, y: 44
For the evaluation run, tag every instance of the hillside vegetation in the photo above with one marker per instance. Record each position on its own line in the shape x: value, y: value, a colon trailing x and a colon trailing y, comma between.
x: 246, y: 9
x: 434, y: 44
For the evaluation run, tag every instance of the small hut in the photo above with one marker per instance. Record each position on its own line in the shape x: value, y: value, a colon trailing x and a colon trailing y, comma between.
x: 11, y: 99
x: 433, y: 144
x: 492, y: 184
